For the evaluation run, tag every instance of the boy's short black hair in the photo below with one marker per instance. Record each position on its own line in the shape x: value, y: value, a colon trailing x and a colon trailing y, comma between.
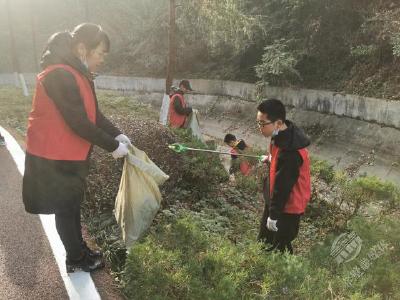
x: 274, y: 109
x: 229, y: 138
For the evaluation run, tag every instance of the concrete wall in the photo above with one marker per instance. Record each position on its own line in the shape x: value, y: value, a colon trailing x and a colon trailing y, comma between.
x: 242, y: 96
x: 374, y: 110
x: 245, y: 91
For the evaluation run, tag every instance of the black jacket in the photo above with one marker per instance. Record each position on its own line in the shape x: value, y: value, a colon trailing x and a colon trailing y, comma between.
x: 288, y: 166
x: 51, y: 186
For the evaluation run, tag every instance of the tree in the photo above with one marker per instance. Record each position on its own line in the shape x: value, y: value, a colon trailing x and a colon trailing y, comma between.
x: 172, y: 47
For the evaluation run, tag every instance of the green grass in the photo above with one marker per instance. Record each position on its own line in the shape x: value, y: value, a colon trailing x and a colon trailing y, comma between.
x: 14, y: 109
x: 113, y: 103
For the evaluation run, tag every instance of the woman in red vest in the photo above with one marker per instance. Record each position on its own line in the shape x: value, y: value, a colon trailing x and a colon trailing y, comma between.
x: 289, y: 188
x: 178, y: 108
x: 64, y: 124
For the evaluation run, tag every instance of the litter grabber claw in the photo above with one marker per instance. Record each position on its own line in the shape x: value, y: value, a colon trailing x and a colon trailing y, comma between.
x: 179, y: 148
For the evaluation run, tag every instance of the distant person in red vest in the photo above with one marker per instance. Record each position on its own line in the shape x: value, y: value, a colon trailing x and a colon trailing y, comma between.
x: 64, y: 124
x: 179, y: 111
x: 289, y: 188
x: 238, y: 147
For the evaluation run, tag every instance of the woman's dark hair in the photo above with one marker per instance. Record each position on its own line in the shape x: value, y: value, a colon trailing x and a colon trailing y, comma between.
x: 229, y: 138
x: 274, y: 109
x: 91, y: 35
x: 59, y: 43
x: 58, y: 48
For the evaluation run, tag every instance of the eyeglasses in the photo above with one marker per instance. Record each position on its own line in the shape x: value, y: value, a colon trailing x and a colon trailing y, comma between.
x: 263, y: 123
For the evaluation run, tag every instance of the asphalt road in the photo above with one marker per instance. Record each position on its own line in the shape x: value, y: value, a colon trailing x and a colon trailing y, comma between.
x: 27, y: 267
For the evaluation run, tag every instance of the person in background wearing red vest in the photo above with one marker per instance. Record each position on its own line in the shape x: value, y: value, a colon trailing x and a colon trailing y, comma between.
x: 179, y: 111
x: 64, y: 124
x: 289, y: 188
x: 238, y: 163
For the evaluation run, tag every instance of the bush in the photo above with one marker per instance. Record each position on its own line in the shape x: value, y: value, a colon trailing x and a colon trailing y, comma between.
x: 249, y: 184
x: 363, y: 190
x: 377, y: 189
x: 323, y: 170
x: 201, y: 172
x: 278, y: 64
x: 182, y: 259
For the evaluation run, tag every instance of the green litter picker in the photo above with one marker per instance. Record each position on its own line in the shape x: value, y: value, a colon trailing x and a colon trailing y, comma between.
x: 179, y: 148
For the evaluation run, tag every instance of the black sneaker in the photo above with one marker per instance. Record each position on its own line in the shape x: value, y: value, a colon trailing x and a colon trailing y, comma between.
x: 86, y: 264
x: 90, y: 252
x: 2, y: 141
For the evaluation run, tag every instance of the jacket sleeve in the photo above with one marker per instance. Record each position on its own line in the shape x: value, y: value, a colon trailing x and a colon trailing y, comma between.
x: 287, y: 173
x: 62, y: 88
x: 180, y: 109
x: 106, y: 125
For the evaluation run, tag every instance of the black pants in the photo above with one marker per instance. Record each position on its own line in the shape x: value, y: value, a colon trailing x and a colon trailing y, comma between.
x: 68, y: 224
x: 288, y: 228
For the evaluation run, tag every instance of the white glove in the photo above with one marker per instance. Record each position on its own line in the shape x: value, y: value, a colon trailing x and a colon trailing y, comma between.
x: 271, y: 224
x: 121, y: 151
x: 265, y: 158
x: 122, y: 138
x: 195, y: 111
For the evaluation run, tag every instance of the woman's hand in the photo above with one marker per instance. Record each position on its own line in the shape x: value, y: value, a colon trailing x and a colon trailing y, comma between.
x: 121, y: 151
x: 122, y: 138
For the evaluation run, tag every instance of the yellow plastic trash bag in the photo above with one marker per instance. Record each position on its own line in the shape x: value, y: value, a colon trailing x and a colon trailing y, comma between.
x: 139, y: 197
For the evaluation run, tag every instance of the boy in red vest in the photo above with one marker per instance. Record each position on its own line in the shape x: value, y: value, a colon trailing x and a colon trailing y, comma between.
x: 289, y: 188
x: 178, y: 108
x: 238, y: 163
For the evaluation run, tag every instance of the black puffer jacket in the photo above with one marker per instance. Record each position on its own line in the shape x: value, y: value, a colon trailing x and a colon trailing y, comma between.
x: 51, y: 186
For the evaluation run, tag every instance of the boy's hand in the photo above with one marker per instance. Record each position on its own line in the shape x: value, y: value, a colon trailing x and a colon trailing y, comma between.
x: 271, y: 224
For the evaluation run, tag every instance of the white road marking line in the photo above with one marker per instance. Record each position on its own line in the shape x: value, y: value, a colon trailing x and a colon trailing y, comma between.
x: 79, y: 285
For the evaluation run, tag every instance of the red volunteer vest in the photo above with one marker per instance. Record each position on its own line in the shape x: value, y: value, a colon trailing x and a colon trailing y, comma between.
x: 48, y: 135
x: 244, y: 166
x: 176, y: 120
x: 301, y: 192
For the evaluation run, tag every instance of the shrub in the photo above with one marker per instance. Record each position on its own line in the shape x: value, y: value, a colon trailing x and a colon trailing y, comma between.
x: 278, y: 63
x: 183, y: 260
x: 201, y: 172
x: 363, y: 190
x: 323, y: 170
x: 379, y: 190
x: 249, y: 184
